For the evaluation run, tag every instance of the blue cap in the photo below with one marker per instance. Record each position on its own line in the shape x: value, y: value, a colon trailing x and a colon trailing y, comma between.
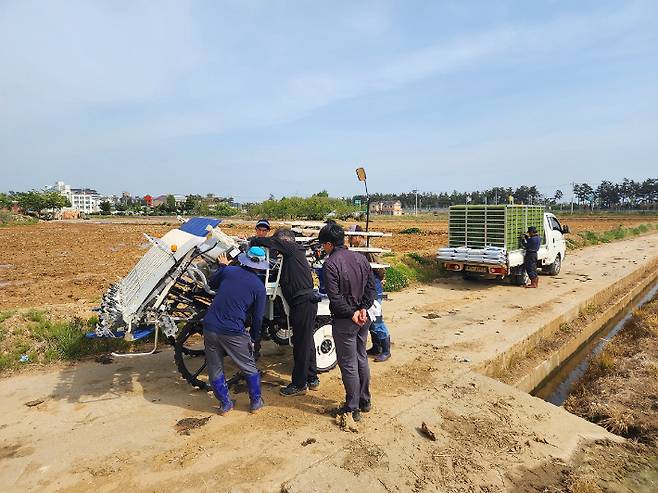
x: 255, y: 258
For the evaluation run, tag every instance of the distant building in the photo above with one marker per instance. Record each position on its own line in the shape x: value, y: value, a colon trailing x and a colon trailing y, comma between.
x: 112, y: 199
x: 162, y: 199
x: 85, y: 200
x: 387, y: 208
x: 126, y: 199
x: 148, y: 200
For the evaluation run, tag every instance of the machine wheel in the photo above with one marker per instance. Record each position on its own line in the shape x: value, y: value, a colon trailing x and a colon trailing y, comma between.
x: 280, y: 334
x: 554, y: 268
x: 190, y: 355
x: 325, y: 348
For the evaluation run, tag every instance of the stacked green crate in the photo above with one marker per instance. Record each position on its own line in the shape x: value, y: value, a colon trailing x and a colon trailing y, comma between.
x: 479, y: 226
x: 519, y: 219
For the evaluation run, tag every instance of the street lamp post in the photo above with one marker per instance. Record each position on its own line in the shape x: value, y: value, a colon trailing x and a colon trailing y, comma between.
x: 416, y: 207
x: 361, y: 175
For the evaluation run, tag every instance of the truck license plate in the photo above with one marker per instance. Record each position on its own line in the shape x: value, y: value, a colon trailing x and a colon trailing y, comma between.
x: 475, y: 268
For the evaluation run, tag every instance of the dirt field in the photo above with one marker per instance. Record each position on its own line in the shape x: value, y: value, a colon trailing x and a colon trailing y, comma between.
x: 118, y: 426
x: 74, y: 262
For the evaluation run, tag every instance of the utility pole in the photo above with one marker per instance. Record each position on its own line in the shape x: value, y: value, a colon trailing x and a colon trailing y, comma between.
x: 573, y: 184
x: 415, y: 208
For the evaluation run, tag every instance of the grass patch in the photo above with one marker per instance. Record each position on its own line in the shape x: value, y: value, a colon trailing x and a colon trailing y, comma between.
x: 586, y: 238
x: 410, y: 231
x: 396, y: 280
x: 6, y: 314
x: 10, y: 219
x: 411, y: 267
x: 43, y: 340
x: 33, y: 315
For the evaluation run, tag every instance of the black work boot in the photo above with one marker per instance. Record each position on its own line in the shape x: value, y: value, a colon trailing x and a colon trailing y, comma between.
x: 376, y: 347
x: 292, y: 390
x: 365, y: 406
x: 386, y: 350
x: 313, y: 383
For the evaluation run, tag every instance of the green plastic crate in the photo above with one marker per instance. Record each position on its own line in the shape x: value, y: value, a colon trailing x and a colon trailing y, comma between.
x: 479, y: 226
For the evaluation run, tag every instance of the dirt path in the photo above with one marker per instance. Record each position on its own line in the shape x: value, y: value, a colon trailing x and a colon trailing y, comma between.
x: 113, y: 427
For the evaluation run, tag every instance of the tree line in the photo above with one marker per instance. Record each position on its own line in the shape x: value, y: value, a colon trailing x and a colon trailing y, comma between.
x: 316, y: 207
x: 628, y: 194
x: 34, y: 202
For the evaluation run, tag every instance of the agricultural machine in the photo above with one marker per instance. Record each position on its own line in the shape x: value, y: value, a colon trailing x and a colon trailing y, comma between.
x: 167, y: 293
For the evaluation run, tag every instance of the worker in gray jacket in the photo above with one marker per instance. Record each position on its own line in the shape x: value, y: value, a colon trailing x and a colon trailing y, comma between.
x: 350, y: 287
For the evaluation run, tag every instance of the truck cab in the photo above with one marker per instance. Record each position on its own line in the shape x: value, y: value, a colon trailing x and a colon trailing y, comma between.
x: 552, y: 250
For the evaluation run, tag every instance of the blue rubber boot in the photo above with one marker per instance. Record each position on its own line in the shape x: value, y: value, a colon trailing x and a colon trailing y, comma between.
x: 255, y: 400
x: 220, y: 390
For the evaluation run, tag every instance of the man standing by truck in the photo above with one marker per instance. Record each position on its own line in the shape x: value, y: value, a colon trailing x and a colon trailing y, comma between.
x: 531, y: 242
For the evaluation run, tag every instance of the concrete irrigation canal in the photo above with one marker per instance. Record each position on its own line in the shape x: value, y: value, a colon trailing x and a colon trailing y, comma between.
x: 557, y: 386
x: 466, y: 357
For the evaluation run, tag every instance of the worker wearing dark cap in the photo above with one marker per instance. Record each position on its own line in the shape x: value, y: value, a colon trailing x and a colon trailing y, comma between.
x: 262, y: 228
x: 531, y: 242
x: 297, y: 287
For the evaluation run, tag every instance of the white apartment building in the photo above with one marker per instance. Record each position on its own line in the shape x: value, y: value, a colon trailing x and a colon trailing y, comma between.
x: 85, y: 200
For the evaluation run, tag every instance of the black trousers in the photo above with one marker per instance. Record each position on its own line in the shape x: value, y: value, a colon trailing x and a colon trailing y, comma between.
x: 530, y: 264
x: 302, y: 319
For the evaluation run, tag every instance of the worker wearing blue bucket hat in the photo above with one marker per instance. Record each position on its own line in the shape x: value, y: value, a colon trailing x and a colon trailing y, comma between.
x: 239, y: 291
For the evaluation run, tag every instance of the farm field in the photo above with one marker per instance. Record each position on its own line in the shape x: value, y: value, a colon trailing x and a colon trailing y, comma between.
x: 96, y: 424
x: 52, y: 263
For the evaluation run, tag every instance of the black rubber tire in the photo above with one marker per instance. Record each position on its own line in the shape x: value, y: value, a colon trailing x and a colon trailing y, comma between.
x: 554, y: 268
x: 277, y: 335
x: 520, y: 279
x: 183, y: 355
x: 327, y: 346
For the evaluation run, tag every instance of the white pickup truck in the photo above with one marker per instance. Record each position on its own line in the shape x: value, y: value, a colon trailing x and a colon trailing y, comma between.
x: 485, y: 241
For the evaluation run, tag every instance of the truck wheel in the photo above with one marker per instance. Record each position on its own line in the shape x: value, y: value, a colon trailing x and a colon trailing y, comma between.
x: 520, y: 279
x: 190, y: 355
x: 325, y: 348
x: 554, y: 268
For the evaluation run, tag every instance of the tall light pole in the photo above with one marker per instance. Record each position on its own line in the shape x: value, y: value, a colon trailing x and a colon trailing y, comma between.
x: 416, y: 208
x: 361, y: 175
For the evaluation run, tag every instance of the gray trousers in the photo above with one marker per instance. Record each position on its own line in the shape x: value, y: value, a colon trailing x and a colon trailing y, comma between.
x: 236, y: 346
x: 350, y: 340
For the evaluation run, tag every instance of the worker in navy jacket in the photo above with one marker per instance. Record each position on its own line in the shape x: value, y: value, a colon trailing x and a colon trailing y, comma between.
x: 239, y: 291
x: 531, y: 242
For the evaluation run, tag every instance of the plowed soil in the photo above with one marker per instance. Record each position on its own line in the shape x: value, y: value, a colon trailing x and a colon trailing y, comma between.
x: 74, y: 262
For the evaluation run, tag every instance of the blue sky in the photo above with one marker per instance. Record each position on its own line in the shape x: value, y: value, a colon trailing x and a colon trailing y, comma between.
x: 248, y: 98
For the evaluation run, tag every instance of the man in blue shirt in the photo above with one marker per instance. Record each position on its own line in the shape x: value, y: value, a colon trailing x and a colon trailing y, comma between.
x: 531, y: 243
x: 239, y: 291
